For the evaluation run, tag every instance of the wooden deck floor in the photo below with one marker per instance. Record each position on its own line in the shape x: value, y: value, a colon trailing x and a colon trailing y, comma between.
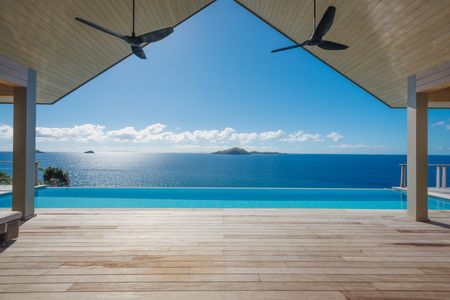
x: 227, y: 254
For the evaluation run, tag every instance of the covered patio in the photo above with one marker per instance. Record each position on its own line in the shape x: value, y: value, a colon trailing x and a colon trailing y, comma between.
x: 399, y: 53
x: 228, y: 254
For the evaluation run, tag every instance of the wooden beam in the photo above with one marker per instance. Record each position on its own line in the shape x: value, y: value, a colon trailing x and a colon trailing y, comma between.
x: 6, y: 90
x: 12, y: 73
x: 434, y: 79
x: 440, y: 95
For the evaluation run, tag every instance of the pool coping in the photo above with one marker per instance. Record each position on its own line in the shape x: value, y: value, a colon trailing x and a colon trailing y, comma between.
x: 395, y: 189
x: 9, y: 191
x: 214, y: 188
x: 430, y: 193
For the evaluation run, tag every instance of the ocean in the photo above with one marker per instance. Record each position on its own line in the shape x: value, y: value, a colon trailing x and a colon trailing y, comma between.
x: 128, y: 169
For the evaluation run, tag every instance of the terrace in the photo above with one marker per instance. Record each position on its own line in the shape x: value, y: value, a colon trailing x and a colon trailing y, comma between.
x: 231, y: 254
x: 399, y: 54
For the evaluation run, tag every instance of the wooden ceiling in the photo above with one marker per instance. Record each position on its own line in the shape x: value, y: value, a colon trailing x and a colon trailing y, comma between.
x: 43, y: 35
x: 389, y: 40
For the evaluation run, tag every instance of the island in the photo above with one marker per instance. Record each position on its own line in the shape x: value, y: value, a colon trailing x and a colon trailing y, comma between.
x: 241, y: 151
x: 38, y: 151
x: 89, y: 152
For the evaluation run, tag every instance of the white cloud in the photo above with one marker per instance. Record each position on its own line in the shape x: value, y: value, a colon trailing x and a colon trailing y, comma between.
x: 124, y: 134
x: 301, y: 136
x: 213, y: 135
x: 6, y: 131
x: 154, y: 128
x: 244, y: 137
x: 82, y: 133
x: 335, y: 136
x: 158, y: 132
x: 440, y: 123
x: 271, y: 135
x: 184, y: 136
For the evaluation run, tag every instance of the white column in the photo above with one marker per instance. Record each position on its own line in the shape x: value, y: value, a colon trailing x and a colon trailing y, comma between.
x: 444, y: 177
x: 403, y: 176
x: 24, y: 147
x: 417, y: 153
x: 438, y: 177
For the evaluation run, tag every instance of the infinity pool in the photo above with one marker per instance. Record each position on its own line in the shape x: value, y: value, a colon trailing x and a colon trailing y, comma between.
x: 221, y: 198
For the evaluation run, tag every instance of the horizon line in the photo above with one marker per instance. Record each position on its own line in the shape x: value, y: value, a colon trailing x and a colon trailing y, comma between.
x: 279, y: 153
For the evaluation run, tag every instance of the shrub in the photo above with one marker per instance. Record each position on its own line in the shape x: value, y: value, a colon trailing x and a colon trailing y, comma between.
x: 4, y: 178
x: 56, y: 177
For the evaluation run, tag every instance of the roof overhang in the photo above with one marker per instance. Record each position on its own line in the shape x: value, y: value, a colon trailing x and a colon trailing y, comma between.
x: 389, y: 40
x: 43, y: 35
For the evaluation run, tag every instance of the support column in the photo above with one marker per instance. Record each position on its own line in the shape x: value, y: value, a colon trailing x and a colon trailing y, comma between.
x: 403, y: 176
x: 438, y: 177
x: 444, y: 177
x: 24, y: 145
x: 417, y: 153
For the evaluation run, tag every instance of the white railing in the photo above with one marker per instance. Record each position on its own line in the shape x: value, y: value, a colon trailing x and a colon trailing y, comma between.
x: 441, y: 175
x: 36, y: 170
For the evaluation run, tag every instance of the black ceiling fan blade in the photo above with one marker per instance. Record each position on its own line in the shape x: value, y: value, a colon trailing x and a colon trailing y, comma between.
x: 328, y: 45
x: 290, y: 47
x: 139, y: 52
x: 156, y: 35
x: 325, y: 23
x: 101, y: 28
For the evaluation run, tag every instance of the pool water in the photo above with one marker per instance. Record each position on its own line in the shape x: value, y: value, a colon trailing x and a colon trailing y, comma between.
x: 222, y: 198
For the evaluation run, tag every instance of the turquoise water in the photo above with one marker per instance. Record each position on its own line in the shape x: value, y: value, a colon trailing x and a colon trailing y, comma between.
x: 221, y: 198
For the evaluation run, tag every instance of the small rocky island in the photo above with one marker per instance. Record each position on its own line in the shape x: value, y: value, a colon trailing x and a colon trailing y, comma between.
x: 241, y: 151
x: 38, y: 151
x: 89, y: 152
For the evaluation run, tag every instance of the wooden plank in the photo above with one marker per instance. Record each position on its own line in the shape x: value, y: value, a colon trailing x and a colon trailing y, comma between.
x: 184, y: 295
x: 434, y: 79
x: 440, y: 95
x: 12, y: 73
x: 6, y: 91
x: 295, y: 253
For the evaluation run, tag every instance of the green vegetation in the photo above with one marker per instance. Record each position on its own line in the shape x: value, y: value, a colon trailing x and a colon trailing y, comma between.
x: 234, y: 151
x: 242, y: 151
x: 56, y: 177
x: 4, y: 178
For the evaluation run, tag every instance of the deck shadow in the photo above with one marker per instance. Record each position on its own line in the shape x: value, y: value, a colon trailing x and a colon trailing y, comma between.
x: 440, y: 224
x: 6, y: 245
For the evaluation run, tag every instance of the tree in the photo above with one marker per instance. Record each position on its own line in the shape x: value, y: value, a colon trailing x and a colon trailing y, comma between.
x: 4, y: 178
x: 56, y: 177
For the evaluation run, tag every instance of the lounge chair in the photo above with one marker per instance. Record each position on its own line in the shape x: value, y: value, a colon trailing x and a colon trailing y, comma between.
x: 9, y: 225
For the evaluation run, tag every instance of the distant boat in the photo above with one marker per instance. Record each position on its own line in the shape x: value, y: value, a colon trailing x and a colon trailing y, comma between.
x: 241, y: 151
x: 89, y: 152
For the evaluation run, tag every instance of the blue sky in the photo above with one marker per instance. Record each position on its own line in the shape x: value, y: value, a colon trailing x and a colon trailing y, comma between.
x: 213, y: 84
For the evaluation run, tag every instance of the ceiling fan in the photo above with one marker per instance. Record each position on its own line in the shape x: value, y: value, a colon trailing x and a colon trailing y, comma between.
x: 136, y: 42
x: 318, y: 33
